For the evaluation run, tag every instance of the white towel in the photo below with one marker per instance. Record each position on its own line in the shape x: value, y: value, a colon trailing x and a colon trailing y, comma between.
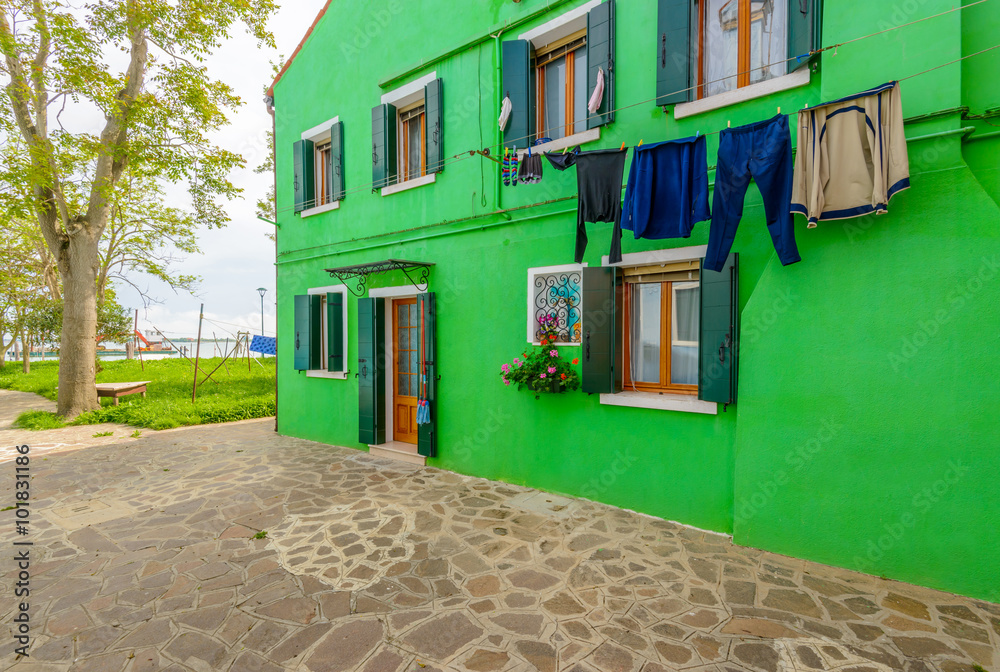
x: 505, y: 109
x: 598, y: 96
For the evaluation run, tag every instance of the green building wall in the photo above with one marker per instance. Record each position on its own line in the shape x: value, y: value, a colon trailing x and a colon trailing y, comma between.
x: 865, y: 432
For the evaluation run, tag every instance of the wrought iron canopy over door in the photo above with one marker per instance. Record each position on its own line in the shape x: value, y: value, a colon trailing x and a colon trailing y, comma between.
x: 417, y: 272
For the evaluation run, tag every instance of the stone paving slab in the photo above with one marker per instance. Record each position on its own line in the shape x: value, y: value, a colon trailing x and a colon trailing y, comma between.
x: 373, y: 565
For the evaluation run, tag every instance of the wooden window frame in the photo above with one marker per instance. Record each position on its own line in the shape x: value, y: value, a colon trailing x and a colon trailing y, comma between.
x: 667, y: 329
x: 404, y: 141
x: 323, y: 154
x: 743, y: 49
x: 542, y: 57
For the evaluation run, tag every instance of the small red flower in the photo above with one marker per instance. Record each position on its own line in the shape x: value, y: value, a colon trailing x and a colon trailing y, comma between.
x: 545, y: 341
x: 563, y: 376
x: 576, y: 360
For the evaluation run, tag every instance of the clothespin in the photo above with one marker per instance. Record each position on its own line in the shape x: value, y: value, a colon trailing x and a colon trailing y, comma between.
x: 565, y: 149
x: 779, y: 109
x: 697, y: 134
x: 623, y: 147
x: 640, y: 143
x: 729, y: 124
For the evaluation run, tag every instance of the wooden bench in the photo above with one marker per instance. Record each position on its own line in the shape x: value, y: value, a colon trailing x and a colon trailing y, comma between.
x: 117, y: 390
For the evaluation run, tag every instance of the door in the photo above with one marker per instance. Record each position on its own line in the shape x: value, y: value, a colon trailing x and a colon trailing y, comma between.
x: 405, y: 345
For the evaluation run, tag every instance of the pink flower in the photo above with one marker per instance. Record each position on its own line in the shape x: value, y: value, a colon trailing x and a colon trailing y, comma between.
x: 541, y: 375
x: 518, y: 362
x: 505, y: 368
x: 552, y: 369
x: 506, y: 382
x: 553, y: 353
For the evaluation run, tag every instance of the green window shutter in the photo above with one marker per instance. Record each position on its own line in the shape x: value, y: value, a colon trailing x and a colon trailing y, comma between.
x: 371, y: 371
x: 335, y: 332
x: 602, y: 330
x: 601, y: 55
x: 307, y: 332
x: 804, y: 20
x: 336, y: 173
x: 383, y: 145
x: 427, y: 433
x: 719, y: 338
x: 434, y: 119
x: 673, y: 52
x: 519, y: 85
x: 305, y: 175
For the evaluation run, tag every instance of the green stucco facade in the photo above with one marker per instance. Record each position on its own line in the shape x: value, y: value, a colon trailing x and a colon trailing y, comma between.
x: 865, y: 432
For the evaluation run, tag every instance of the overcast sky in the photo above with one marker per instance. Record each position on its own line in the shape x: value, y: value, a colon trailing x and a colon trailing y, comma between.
x: 235, y: 261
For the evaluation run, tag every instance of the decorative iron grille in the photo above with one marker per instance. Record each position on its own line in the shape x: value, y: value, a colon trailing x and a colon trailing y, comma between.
x: 557, y: 306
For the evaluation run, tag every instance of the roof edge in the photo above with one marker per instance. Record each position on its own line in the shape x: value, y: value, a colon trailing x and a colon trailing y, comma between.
x: 302, y: 43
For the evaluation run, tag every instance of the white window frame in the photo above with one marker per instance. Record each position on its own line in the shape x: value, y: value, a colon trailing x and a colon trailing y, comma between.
x: 562, y: 26
x: 790, y: 81
x: 654, y: 400
x: 319, y: 134
x: 324, y: 333
x: 547, y: 270
x: 404, y: 96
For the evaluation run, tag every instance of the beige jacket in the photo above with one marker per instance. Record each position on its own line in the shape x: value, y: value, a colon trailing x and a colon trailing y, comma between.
x: 851, y: 157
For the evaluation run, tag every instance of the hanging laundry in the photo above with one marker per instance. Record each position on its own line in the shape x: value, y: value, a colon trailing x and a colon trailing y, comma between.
x: 505, y: 109
x: 265, y: 345
x: 599, y: 176
x: 852, y: 156
x: 506, y: 167
x: 667, y: 190
x: 530, y: 171
x: 764, y: 151
x: 598, y: 95
x: 513, y: 166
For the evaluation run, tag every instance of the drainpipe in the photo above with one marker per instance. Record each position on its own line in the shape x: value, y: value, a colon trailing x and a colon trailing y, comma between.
x: 269, y: 101
x: 497, y: 102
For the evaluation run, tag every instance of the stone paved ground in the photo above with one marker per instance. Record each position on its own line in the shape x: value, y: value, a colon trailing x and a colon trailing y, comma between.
x: 145, y: 560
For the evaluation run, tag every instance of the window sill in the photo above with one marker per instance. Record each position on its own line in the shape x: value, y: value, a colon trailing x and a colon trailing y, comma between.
x: 409, y: 184
x: 556, y: 345
x: 320, y: 210
x: 796, y: 79
x: 562, y: 143
x: 661, y: 402
x: 336, y: 375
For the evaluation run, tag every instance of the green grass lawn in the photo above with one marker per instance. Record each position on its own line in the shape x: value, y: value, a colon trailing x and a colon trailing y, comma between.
x: 238, y: 394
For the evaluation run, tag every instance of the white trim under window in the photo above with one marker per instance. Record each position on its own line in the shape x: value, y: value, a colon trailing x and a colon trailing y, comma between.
x: 409, y: 184
x: 319, y: 135
x: 324, y: 333
x: 790, y: 81
x: 532, y: 296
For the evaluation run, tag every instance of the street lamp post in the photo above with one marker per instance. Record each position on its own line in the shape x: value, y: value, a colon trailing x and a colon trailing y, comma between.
x: 262, y: 291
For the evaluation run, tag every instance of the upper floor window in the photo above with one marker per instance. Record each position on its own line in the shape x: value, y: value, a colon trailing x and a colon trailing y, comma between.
x: 324, y: 195
x: 561, y: 76
x: 412, y: 138
x: 318, y: 160
x: 742, y: 42
x: 407, y: 147
x: 707, y: 48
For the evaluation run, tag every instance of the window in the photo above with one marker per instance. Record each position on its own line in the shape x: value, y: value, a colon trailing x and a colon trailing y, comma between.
x: 561, y: 76
x: 320, y: 336
x: 318, y: 159
x: 555, y: 295
x: 323, y: 195
x: 661, y: 324
x: 412, y: 137
x: 740, y: 42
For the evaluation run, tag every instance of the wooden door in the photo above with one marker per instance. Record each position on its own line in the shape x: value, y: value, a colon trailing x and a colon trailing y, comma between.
x: 405, y: 363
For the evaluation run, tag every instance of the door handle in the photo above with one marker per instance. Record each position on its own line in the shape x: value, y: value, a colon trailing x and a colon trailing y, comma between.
x: 587, y: 352
x: 663, y: 50
x: 726, y: 344
x: 364, y: 371
x: 297, y: 340
x: 374, y: 155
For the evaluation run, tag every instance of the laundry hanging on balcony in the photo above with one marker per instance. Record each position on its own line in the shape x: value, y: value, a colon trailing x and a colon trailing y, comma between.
x: 598, y: 95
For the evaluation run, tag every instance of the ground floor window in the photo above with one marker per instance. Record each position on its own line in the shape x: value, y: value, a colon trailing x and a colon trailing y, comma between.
x: 661, y: 325
x: 555, y: 297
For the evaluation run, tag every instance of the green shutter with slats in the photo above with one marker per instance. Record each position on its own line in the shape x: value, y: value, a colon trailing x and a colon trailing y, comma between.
x: 804, y: 23
x: 335, y: 179
x: 519, y: 86
x: 307, y: 332
x: 371, y: 371
x: 434, y: 120
x: 673, y: 52
x: 427, y: 433
x: 383, y: 145
x: 305, y: 175
x: 601, y: 55
x: 602, y: 330
x: 719, y: 333
x: 335, y: 355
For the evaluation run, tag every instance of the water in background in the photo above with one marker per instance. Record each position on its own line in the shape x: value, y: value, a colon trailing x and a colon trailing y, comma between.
x: 115, y: 351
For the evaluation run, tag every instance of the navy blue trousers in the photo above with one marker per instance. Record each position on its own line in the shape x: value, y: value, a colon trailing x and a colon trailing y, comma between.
x: 763, y: 151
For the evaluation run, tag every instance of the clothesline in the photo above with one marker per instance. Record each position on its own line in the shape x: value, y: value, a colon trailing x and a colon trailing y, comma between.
x: 465, y: 155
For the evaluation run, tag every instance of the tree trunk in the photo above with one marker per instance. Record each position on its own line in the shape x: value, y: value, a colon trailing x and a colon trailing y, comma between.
x: 78, y: 265
x: 25, y: 353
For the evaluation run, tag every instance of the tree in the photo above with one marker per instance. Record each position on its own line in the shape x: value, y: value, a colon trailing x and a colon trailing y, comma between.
x: 157, y: 114
x: 25, y: 274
